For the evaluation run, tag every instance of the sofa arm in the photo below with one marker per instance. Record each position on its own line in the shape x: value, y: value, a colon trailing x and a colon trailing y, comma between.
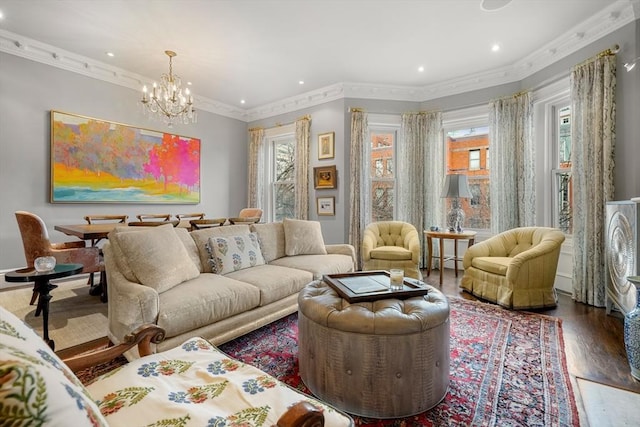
x: 142, y: 337
x: 369, y: 243
x: 478, y: 250
x: 131, y: 304
x: 343, y: 249
x: 412, y: 243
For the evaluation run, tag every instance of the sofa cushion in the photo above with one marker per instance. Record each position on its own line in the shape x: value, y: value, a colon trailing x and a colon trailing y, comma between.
x: 189, y: 245
x: 303, y: 237
x: 157, y: 257
x: 234, y: 253
x: 201, y: 238
x: 392, y: 253
x: 203, y: 301
x: 196, y: 384
x: 274, y: 282
x: 493, y: 264
x: 271, y: 238
x: 36, y: 387
x: 318, y: 265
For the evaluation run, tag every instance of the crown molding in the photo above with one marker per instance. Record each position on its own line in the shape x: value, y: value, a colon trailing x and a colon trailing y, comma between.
x: 608, y: 20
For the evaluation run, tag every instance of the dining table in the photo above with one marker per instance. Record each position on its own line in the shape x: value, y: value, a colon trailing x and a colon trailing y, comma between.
x: 93, y: 232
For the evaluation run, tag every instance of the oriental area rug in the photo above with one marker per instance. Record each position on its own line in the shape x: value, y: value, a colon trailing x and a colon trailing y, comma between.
x: 506, y: 368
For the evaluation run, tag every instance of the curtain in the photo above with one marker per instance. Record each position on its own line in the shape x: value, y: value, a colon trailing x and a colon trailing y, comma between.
x: 420, y: 173
x: 359, y: 196
x: 302, y: 168
x: 593, y: 111
x: 256, y: 166
x: 512, y: 166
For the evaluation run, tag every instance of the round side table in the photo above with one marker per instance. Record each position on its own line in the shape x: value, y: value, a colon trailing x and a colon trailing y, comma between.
x: 442, y: 235
x: 42, y: 286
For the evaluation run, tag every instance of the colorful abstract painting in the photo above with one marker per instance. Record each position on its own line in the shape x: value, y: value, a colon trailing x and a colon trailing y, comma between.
x: 96, y: 161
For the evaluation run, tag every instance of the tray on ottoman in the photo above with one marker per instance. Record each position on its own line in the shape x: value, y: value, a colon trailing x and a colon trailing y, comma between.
x: 373, y: 285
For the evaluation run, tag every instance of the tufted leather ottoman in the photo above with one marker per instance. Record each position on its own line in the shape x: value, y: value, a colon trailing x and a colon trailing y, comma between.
x: 383, y: 359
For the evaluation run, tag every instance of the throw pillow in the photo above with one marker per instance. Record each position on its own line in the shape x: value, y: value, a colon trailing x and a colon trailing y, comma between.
x: 303, y: 237
x: 157, y: 257
x: 228, y: 254
x: 36, y: 387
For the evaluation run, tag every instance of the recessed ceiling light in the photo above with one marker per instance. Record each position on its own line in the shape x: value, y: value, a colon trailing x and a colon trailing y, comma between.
x: 492, y: 5
x: 1, y: 15
x: 242, y: 101
x: 111, y: 54
x: 421, y: 69
x: 301, y: 82
x: 495, y: 47
x: 189, y: 83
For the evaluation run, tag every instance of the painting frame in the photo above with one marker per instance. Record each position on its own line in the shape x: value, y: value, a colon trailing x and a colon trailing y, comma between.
x: 100, y: 161
x: 325, y: 177
x: 326, y: 145
x: 326, y: 206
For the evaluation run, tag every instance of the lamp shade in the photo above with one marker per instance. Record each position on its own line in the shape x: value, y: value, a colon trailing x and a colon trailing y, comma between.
x: 456, y: 186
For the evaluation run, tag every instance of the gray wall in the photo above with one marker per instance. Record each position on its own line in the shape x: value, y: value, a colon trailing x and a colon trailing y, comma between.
x: 29, y: 90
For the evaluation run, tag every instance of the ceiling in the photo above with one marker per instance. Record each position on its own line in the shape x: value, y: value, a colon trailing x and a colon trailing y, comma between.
x: 259, y: 50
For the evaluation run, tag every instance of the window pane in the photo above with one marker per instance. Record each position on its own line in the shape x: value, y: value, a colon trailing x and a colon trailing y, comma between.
x: 382, y: 175
x: 285, y: 161
x: 468, y: 154
x: 564, y: 220
x: 284, y: 198
x: 563, y: 203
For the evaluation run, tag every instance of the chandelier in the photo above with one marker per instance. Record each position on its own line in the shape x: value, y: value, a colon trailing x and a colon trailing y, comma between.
x: 168, y: 100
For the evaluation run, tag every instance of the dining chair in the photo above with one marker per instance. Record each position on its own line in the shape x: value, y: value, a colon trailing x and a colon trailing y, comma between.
x: 185, y: 218
x: 199, y: 224
x: 247, y: 216
x: 154, y: 217
x: 36, y: 243
x: 174, y: 222
x: 93, y: 219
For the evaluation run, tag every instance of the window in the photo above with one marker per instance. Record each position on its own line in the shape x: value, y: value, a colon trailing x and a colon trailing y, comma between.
x: 474, y: 159
x: 279, y: 194
x: 383, y: 146
x: 466, y: 140
x: 561, y: 174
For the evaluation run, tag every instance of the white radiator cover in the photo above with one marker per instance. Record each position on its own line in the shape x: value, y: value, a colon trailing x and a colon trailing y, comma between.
x: 621, y: 253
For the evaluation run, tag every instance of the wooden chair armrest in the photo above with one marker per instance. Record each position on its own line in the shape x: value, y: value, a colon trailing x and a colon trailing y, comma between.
x: 143, y: 337
x: 302, y: 414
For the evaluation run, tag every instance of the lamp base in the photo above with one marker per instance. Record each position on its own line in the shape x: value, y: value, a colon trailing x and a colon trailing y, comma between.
x: 455, y: 217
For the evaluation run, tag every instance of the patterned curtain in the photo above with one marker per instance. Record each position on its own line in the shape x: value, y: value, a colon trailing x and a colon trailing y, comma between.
x: 359, y: 197
x: 593, y: 111
x: 512, y: 184
x: 302, y: 168
x: 256, y: 166
x: 420, y: 173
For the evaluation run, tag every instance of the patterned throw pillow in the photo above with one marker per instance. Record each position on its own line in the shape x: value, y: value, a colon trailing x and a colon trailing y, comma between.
x: 36, y: 387
x: 233, y: 253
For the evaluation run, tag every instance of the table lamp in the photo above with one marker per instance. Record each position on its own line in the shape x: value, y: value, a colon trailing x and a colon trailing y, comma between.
x: 455, y: 186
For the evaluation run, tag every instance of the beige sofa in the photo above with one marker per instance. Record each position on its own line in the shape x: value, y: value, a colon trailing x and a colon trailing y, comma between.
x: 516, y: 268
x: 165, y: 276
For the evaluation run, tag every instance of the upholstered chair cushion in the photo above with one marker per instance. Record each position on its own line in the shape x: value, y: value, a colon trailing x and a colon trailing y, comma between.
x: 390, y: 252
x: 234, y: 253
x: 36, y: 387
x: 157, y: 257
x: 303, y: 237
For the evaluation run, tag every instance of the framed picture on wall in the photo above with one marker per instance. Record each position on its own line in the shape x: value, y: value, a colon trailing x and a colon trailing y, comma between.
x: 326, y: 145
x: 325, y: 177
x: 98, y: 161
x: 326, y: 205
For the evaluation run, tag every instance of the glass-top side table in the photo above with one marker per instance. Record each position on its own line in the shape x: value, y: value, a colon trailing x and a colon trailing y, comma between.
x: 42, y: 285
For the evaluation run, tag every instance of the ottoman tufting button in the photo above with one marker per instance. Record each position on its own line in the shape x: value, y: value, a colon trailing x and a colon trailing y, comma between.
x: 398, y: 375
x: 348, y: 371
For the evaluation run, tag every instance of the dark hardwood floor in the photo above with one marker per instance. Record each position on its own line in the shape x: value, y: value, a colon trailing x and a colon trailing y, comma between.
x: 593, y: 340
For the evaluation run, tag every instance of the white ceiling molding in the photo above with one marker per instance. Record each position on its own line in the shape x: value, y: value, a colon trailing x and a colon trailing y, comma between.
x: 608, y: 20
